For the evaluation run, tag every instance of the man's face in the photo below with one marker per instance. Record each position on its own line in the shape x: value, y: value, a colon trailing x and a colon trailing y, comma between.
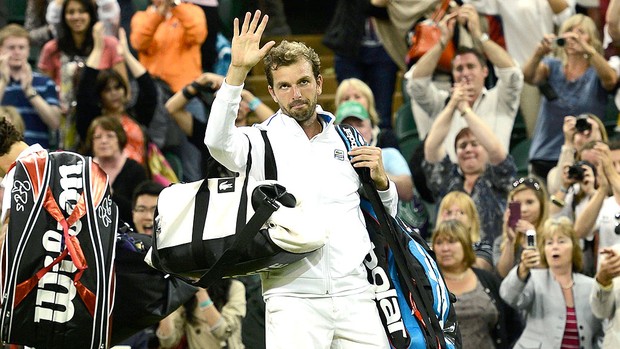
x: 296, y: 90
x: 144, y: 213
x: 471, y: 155
x: 467, y: 69
x: 18, y: 50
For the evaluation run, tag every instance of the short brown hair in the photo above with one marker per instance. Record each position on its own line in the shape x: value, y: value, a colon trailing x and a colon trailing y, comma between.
x: 107, y: 123
x: 454, y: 229
x: 13, y: 30
x: 8, y: 136
x: 288, y: 53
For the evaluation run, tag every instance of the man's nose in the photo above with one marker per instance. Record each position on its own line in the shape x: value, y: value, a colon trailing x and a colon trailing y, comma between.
x: 296, y: 92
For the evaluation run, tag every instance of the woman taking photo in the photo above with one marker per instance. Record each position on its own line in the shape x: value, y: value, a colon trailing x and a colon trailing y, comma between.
x: 63, y: 58
x: 485, y: 320
x: 531, y: 196
x: 107, y: 139
x: 577, y: 81
x: 555, y: 299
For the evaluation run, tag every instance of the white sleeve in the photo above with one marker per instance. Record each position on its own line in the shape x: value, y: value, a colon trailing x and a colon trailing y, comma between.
x: 226, y: 143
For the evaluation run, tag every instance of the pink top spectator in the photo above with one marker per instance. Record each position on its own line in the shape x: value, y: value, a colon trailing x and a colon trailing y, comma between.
x: 50, y: 57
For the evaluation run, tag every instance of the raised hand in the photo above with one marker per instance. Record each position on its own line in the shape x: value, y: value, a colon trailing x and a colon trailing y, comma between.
x: 210, y: 78
x: 98, y: 35
x: 609, y: 267
x: 5, y: 71
x: 123, y: 46
x: 569, y: 130
x: 245, y: 47
x: 25, y: 78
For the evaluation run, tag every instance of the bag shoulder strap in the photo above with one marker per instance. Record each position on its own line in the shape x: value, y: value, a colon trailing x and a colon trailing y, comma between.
x: 271, y: 171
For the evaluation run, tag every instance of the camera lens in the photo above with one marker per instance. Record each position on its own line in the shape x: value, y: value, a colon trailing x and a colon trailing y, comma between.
x: 582, y: 124
x: 560, y: 41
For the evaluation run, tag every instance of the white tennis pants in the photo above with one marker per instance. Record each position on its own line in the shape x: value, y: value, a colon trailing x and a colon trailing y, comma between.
x: 343, y: 322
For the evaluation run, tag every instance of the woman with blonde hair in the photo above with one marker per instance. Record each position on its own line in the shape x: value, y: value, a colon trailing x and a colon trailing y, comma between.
x: 576, y: 81
x: 458, y: 205
x: 356, y: 90
x: 531, y: 196
x: 548, y: 287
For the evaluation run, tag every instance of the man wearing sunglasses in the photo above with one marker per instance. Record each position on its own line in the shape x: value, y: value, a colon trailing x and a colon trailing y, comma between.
x: 484, y: 169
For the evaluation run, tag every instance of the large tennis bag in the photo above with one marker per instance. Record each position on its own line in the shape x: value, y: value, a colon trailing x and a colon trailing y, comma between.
x: 414, y: 303
x: 57, y: 275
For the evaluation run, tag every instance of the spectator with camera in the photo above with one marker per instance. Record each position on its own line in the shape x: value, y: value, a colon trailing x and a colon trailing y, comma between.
x: 577, y: 81
x: 525, y: 216
x: 579, y: 185
x: 577, y: 130
x: 602, y: 213
x: 549, y: 289
x: 497, y: 107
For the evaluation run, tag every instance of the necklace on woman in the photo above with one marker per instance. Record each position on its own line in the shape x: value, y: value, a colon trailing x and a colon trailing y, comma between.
x: 569, y: 286
x: 458, y: 277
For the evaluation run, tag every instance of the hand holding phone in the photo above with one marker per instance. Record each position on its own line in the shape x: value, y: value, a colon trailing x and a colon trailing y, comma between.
x: 514, y: 207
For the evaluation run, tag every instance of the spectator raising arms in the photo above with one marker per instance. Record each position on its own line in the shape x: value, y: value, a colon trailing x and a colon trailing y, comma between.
x: 107, y: 93
x: 577, y: 82
x: 484, y: 169
x: 554, y: 299
x: 496, y: 107
x: 63, y: 58
x: 168, y: 39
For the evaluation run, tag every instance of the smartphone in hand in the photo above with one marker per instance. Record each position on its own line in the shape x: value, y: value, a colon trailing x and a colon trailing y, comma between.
x: 514, y: 208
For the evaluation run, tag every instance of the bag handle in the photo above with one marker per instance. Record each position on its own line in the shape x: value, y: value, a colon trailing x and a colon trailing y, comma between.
x: 441, y: 11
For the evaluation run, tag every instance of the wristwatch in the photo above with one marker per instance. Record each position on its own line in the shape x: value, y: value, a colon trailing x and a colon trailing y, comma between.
x: 484, y: 37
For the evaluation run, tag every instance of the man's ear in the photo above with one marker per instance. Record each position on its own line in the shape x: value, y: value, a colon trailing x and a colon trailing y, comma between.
x: 273, y: 95
x: 485, y: 71
x: 319, y: 84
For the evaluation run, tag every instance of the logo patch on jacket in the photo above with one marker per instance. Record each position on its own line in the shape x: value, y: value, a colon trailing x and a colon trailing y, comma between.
x: 339, y: 154
x: 226, y: 185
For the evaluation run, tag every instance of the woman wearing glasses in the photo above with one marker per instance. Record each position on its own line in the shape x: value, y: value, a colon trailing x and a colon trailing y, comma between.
x: 532, y: 198
x: 555, y: 299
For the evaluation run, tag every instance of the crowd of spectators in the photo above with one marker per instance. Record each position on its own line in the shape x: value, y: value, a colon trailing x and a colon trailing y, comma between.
x: 536, y: 258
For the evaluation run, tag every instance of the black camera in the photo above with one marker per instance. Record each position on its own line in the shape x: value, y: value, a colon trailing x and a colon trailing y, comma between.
x: 582, y: 124
x: 577, y: 172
